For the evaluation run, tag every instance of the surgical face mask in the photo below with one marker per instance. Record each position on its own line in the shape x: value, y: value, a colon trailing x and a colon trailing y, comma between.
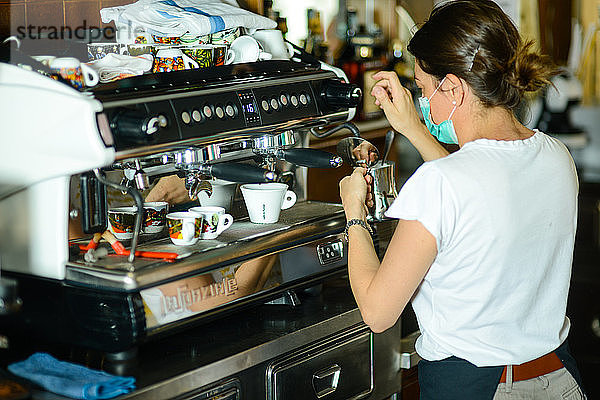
x: 444, y: 131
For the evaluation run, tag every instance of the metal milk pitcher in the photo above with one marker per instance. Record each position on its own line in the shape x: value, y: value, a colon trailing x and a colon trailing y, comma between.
x: 384, y: 188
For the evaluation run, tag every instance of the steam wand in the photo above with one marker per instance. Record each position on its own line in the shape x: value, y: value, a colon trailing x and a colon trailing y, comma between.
x: 325, y: 133
x: 139, y: 202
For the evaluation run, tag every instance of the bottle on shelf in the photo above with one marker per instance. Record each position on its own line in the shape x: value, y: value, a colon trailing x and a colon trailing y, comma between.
x: 315, y: 40
x: 364, y: 53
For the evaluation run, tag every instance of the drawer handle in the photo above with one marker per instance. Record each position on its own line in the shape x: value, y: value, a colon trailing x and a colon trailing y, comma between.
x: 326, y: 381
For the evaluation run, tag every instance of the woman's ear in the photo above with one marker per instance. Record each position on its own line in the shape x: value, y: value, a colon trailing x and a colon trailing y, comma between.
x: 454, y: 88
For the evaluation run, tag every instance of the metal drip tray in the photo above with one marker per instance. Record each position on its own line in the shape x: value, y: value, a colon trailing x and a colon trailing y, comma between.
x: 302, y: 223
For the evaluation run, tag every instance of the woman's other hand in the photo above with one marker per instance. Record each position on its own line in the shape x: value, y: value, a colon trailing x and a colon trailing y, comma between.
x: 396, y: 102
x: 400, y: 111
x: 356, y: 193
x: 170, y: 189
x: 366, y: 152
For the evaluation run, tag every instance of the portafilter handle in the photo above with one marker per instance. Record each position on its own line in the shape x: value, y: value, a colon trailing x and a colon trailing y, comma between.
x: 237, y: 172
x: 311, y: 158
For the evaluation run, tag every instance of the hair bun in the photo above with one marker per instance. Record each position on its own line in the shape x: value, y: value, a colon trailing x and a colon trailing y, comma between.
x: 528, y: 70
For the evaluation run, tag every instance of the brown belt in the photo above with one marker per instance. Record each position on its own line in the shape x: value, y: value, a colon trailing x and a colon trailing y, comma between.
x: 534, y: 368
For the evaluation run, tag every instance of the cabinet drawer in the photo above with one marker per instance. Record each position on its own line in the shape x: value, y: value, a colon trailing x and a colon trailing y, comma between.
x: 338, y: 368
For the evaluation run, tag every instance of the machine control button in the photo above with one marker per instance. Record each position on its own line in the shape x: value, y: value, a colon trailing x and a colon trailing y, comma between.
x: 219, y: 112
x: 134, y: 125
x: 265, y: 105
x: 207, y: 111
x: 185, y: 117
x: 330, y: 252
x: 230, y: 111
x: 294, y: 100
x: 162, y: 121
x: 197, y: 116
x: 340, y: 94
x: 283, y: 99
x: 274, y: 104
x: 303, y: 99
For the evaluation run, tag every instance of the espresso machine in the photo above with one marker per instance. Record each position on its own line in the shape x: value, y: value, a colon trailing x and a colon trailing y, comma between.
x: 240, y: 123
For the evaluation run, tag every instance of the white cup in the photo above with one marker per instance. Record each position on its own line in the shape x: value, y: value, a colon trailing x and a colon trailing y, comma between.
x: 272, y: 42
x: 215, y: 220
x: 247, y: 49
x: 46, y: 60
x: 75, y: 72
x: 265, y: 201
x: 185, y: 228
x: 222, y: 194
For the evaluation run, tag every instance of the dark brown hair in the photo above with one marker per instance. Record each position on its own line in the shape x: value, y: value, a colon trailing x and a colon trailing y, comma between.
x: 476, y: 41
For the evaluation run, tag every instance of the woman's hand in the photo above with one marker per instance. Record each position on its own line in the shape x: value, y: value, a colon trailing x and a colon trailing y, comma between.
x: 170, y: 189
x: 396, y: 102
x: 366, y: 153
x: 356, y: 193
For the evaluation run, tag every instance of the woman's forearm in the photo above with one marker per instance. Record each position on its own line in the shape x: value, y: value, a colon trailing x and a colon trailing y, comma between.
x: 363, y: 264
x: 426, y: 145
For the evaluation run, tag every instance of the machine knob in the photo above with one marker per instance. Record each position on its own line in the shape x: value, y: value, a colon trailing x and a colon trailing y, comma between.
x: 341, y: 94
x: 136, y: 126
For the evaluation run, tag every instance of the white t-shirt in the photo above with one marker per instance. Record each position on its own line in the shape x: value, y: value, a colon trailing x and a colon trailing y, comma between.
x: 504, y: 215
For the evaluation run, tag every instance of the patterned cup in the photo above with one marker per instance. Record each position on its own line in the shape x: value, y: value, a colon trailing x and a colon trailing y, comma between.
x: 226, y: 36
x: 185, y: 228
x: 155, y: 214
x: 172, y: 59
x: 221, y: 56
x: 216, y: 220
x: 166, y: 39
x: 202, y: 54
x: 96, y: 51
x: 137, y: 49
x: 74, y: 72
x: 121, y: 221
x: 188, y: 39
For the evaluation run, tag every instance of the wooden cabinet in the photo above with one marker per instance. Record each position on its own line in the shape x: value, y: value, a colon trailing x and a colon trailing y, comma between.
x: 410, y: 384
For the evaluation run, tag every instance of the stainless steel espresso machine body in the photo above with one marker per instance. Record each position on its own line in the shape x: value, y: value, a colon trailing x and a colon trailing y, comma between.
x: 241, y: 123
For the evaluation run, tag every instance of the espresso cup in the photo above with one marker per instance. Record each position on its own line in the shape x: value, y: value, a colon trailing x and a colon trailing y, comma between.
x: 171, y: 59
x: 137, y: 49
x: 222, y: 194
x: 185, y: 228
x: 125, y: 33
x: 72, y: 70
x: 247, y: 49
x: 46, y: 60
x: 166, y: 39
x: 155, y: 216
x: 96, y: 51
x: 215, y: 220
x: 190, y: 39
x: 221, y: 56
x: 272, y: 42
x: 264, y: 201
x: 201, y: 53
x: 226, y: 36
x: 121, y: 221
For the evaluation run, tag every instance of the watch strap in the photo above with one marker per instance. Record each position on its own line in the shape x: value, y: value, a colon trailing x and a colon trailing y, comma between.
x: 359, y: 222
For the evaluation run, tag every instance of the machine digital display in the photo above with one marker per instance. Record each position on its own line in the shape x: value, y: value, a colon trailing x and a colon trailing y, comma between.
x: 249, y: 108
x: 251, y: 113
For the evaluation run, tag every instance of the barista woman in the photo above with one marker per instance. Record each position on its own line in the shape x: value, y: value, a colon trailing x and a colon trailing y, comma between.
x: 484, y: 241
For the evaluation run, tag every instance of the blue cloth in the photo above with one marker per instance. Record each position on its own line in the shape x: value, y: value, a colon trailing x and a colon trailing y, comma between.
x: 70, y: 379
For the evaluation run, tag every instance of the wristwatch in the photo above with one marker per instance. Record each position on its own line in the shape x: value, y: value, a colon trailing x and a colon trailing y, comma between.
x: 356, y: 221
